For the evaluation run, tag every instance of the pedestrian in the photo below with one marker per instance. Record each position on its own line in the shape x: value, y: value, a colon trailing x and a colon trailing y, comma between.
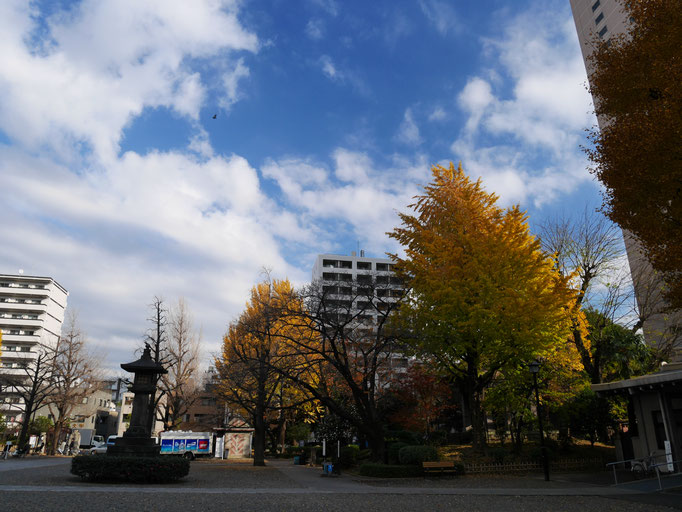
x: 72, y: 446
x: 5, y: 451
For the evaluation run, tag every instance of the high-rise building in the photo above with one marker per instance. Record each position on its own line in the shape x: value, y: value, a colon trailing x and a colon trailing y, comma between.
x: 365, y: 287
x: 654, y: 398
x: 31, y: 315
x: 600, y: 20
x: 353, y: 280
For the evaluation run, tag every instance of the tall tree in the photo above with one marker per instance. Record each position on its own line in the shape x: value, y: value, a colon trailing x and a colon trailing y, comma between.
x: 636, y: 84
x: 424, y: 397
x: 589, y: 249
x: 483, y: 295
x: 33, y: 385
x: 180, y: 385
x: 75, y: 373
x: 248, y: 380
x: 617, y: 352
x: 341, y: 350
x: 157, y: 339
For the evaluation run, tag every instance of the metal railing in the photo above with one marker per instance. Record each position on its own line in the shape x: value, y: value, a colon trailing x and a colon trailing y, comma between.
x: 646, y: 464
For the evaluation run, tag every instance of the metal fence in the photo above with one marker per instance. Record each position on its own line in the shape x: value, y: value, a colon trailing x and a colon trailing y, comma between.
x: 557, y: 465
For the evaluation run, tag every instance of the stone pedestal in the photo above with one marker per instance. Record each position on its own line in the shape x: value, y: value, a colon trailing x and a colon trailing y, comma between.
x: 134, y: 447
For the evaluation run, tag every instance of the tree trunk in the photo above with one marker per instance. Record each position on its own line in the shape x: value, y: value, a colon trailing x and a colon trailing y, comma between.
x: 259, y: 438
x: 58, y: 427
x: 377, y: 445
x: 477, y: 421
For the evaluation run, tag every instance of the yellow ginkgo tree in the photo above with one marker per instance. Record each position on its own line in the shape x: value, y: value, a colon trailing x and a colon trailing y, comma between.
x: 249, y: 368
x: 483, y: 297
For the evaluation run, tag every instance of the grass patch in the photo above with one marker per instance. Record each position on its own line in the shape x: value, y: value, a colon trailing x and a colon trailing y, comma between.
x: 496, y: 453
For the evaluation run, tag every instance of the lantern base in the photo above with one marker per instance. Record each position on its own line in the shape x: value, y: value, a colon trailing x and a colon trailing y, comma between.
x: 134, y: 446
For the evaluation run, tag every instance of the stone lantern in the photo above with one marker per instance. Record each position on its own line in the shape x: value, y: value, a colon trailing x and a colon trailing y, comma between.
x: 137, y: 439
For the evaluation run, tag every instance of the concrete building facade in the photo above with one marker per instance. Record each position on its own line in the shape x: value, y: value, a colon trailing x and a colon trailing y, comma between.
x: 655, y: 398
x: 31, y: 315
x: 597, y: 20
x: 352, y: 282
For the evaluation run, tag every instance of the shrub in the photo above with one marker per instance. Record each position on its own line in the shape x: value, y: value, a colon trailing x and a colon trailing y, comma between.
x: 498, y: 454
x: 348, y: 457
x: 536, y: 453
x: 403, y: 436
x: 394, y: 452
x: 415, y: 455
x: 437, y: 438
x: 389, y: 470
x: 141, y: 470
x: 364, y: 454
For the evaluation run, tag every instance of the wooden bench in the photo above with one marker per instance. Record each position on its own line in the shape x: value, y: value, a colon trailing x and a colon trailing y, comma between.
x: 439, y: 468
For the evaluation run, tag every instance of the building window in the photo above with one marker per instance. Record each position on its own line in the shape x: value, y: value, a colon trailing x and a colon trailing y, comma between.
x: 602, y: 31
x: 595, y: 5
x: 599, y: 18
x: 364, y: 265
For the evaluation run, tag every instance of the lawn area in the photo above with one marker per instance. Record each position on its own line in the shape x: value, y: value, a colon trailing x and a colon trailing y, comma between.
x: 495, y: 452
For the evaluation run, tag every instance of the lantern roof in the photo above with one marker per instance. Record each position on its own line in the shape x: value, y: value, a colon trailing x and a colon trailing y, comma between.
x: 144, y: 364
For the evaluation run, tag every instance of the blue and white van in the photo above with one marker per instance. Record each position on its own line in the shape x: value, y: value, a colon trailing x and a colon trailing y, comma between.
x: 187, y: 444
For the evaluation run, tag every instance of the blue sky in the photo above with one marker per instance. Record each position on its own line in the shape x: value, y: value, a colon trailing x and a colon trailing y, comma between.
x: 118, y: 182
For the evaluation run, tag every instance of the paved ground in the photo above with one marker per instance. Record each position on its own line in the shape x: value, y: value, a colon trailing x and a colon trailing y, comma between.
x: 45, y: 484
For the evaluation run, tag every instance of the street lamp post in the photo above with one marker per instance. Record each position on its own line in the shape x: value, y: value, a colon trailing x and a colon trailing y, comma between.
x: 534, y: 369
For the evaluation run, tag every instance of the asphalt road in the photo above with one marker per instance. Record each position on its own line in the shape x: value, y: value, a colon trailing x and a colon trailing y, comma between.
x: 46, y: 484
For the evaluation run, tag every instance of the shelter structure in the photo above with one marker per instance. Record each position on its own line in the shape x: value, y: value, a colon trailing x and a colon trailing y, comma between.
x: 656, y: 401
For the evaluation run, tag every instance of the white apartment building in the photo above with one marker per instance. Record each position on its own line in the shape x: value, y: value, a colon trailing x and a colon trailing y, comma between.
x: 352, y: 281
x: 603, y: 19
x: 31, y: 315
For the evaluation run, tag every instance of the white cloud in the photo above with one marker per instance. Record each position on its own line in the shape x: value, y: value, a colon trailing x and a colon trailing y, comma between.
x: 118, y: 229
x: 163, y: 223
x: 329, y: 6
x: 342, y: 76
x: 441, y: 15
x: 363, y: 198
x: 231, y: 83
x: 315, y: 29
x: 526, y: 144
x: 438, y: 114
x: 408, y: 133
x: 74, y: 86
x: 328, y: 67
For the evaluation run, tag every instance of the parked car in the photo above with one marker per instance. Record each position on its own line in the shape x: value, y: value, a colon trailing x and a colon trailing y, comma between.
x: 111, y: 440
x: 99, y: 448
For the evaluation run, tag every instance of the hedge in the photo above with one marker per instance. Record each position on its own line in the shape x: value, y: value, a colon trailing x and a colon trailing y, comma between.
x: 389, y: 470
x: 349, y: 456
x: 394, y: 452
x: 141, y: 470
x: 415, y: 455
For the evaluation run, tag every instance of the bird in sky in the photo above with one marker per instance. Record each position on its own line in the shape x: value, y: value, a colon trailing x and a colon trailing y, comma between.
x: 215, y: 116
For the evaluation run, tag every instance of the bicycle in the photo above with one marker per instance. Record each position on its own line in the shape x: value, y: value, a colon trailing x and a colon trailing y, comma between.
x: 644, y: 467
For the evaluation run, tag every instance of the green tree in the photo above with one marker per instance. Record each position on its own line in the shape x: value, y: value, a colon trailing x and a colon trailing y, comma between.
x: 616, y: 351
x: 40, y: 425
x: 636, y: 84
x: 484, y: 297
